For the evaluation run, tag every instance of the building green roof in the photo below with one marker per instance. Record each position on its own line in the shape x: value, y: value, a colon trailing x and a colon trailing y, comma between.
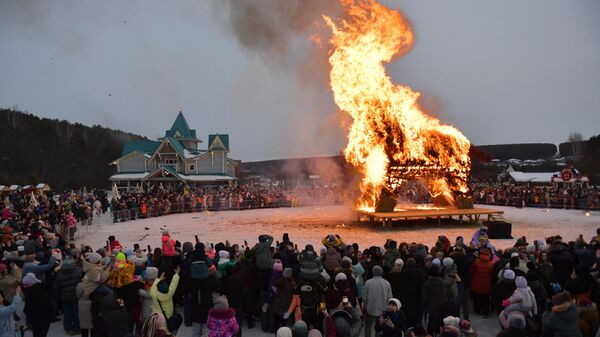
x: 177, y: 146
x: 143, y: 146
x: 181, y: 126
x: 223, y: 138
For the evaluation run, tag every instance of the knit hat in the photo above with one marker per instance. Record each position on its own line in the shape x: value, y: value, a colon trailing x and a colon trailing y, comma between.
x: 465, y: 325
x: 340, y: 276
x: 262, y: 238
x: 377, y: 270
x: 514, y: 254
x: 399, y: 263
x: 521, y: 282
x: 57, y: 254
x: 287, y: 272
x: 284, y: 331
x: 187, y: 247
x: 451, y: 321
x: 30, y: 280
x: 151, y: 273
x: 93, y: 257
x: 436, y: 262
x: 584, y: 302
x: 561, y: 298
x: 74, y: 252
x: 396, y: 302
x: 221, y: 303
x: 300, y: 329
x: 448, y: 262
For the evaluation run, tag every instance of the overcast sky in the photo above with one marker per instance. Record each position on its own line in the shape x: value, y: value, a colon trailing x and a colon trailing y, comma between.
x: 501, y: 71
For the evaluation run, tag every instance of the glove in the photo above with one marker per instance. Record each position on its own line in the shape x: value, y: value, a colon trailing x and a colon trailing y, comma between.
x: 286, y: 315
x: 505, y: 303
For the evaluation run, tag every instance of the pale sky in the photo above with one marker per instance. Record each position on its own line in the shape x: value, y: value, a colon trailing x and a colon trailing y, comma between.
x: 501, y: 71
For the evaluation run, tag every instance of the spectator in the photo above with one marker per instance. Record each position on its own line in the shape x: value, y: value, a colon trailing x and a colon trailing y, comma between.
x: 221, y: 319
x: 377, y: 294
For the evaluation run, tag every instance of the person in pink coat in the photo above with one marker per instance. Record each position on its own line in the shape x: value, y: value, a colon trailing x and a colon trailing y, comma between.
x: 221, y: 319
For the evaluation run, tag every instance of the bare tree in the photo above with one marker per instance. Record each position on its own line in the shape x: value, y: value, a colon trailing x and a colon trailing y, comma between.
x: 576, y: 141
x: 14, y: 119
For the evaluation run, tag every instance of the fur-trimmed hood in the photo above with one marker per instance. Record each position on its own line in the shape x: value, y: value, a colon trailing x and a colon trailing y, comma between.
x: 221, y: 315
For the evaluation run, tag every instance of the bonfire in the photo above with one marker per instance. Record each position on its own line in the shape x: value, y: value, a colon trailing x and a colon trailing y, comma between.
x: 391, y: 139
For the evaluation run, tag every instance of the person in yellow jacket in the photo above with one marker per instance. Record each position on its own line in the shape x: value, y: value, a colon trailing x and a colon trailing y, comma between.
x: 163, y: 292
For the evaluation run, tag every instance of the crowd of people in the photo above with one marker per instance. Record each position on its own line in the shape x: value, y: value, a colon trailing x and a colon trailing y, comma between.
x: 541, y: 288
x: 545, y: 196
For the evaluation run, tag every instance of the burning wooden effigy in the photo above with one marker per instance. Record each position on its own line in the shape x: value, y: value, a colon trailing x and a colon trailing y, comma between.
x: 391, y: 138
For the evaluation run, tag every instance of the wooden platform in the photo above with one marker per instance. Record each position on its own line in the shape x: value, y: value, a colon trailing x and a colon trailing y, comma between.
x: 473, y: 214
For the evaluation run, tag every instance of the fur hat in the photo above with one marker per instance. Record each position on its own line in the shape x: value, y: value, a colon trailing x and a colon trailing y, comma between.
x: 377, y: 270
x: 347, y: 259
x: 288, y: 272
x: 399, y: 263
x: 448, y: 262
x: 451, y: 320
x: 340, y: 276
x: 221, y: 303
x: 396, y: 302
x: 561, y: 298
x: 521, y: 282
x: 315, y: 333
x: 300, y: 329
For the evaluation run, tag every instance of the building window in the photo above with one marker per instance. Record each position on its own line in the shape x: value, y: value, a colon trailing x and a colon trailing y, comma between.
x: 170, y: 161
x: 191, y: 167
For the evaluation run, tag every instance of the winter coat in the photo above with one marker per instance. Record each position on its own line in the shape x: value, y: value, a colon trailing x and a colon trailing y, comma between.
x: 562, y: 262
x: 588, y: 319
x: 512, y: 332
x: 7, y: 312
x: 409, y: 291
x: 333, y: 260
x: 283, y: 297
x: 145, y: 302
x: 501, y: 291
x: 233, y: 291
x: 39, y: 269
x: 463, y: 267
x: 431, y: 300
x: 378, y: 292
x: 357, y: 272
x: 390, y: 256
x: 336, y: 292
x: 84, y: 306
x: 166, y: 300
x: 481, y: 275
x: 202, y: 302
x: 139, y: 262
x: 264, y: 260
x: 562, y: 321
x: 66, y: 281
x: 310, y: 265
x: 525, y: 299
x: 38, y: 307
x: 94, y: 276
x: 115, y: 317
x: 8, y: 285
x: 399, y: 320
x: 168, y: 246
x: 222, y: 324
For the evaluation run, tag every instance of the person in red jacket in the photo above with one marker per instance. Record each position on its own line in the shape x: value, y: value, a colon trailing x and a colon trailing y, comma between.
x: 168, y: 244
x: 113, y: 244
x: 481, y: 282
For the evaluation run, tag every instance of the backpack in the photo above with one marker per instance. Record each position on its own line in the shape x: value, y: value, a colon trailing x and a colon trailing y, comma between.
x: 199, y: 270
x: 310, y: 296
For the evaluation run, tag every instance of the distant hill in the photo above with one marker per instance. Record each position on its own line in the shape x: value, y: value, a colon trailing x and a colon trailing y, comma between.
x: 519, y: 151
x: 60, y: 153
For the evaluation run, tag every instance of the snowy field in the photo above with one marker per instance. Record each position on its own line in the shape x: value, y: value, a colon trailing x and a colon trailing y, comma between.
x: 311, y: 224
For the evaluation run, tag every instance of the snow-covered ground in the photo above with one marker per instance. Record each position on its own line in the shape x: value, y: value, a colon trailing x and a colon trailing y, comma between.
x: 311, y: 224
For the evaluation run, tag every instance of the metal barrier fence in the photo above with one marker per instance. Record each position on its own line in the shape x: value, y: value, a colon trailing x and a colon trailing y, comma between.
x: 583, y: 203
x: 151, y: 211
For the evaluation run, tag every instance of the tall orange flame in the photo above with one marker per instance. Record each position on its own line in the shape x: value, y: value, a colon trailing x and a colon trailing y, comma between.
x: 391, y: 139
